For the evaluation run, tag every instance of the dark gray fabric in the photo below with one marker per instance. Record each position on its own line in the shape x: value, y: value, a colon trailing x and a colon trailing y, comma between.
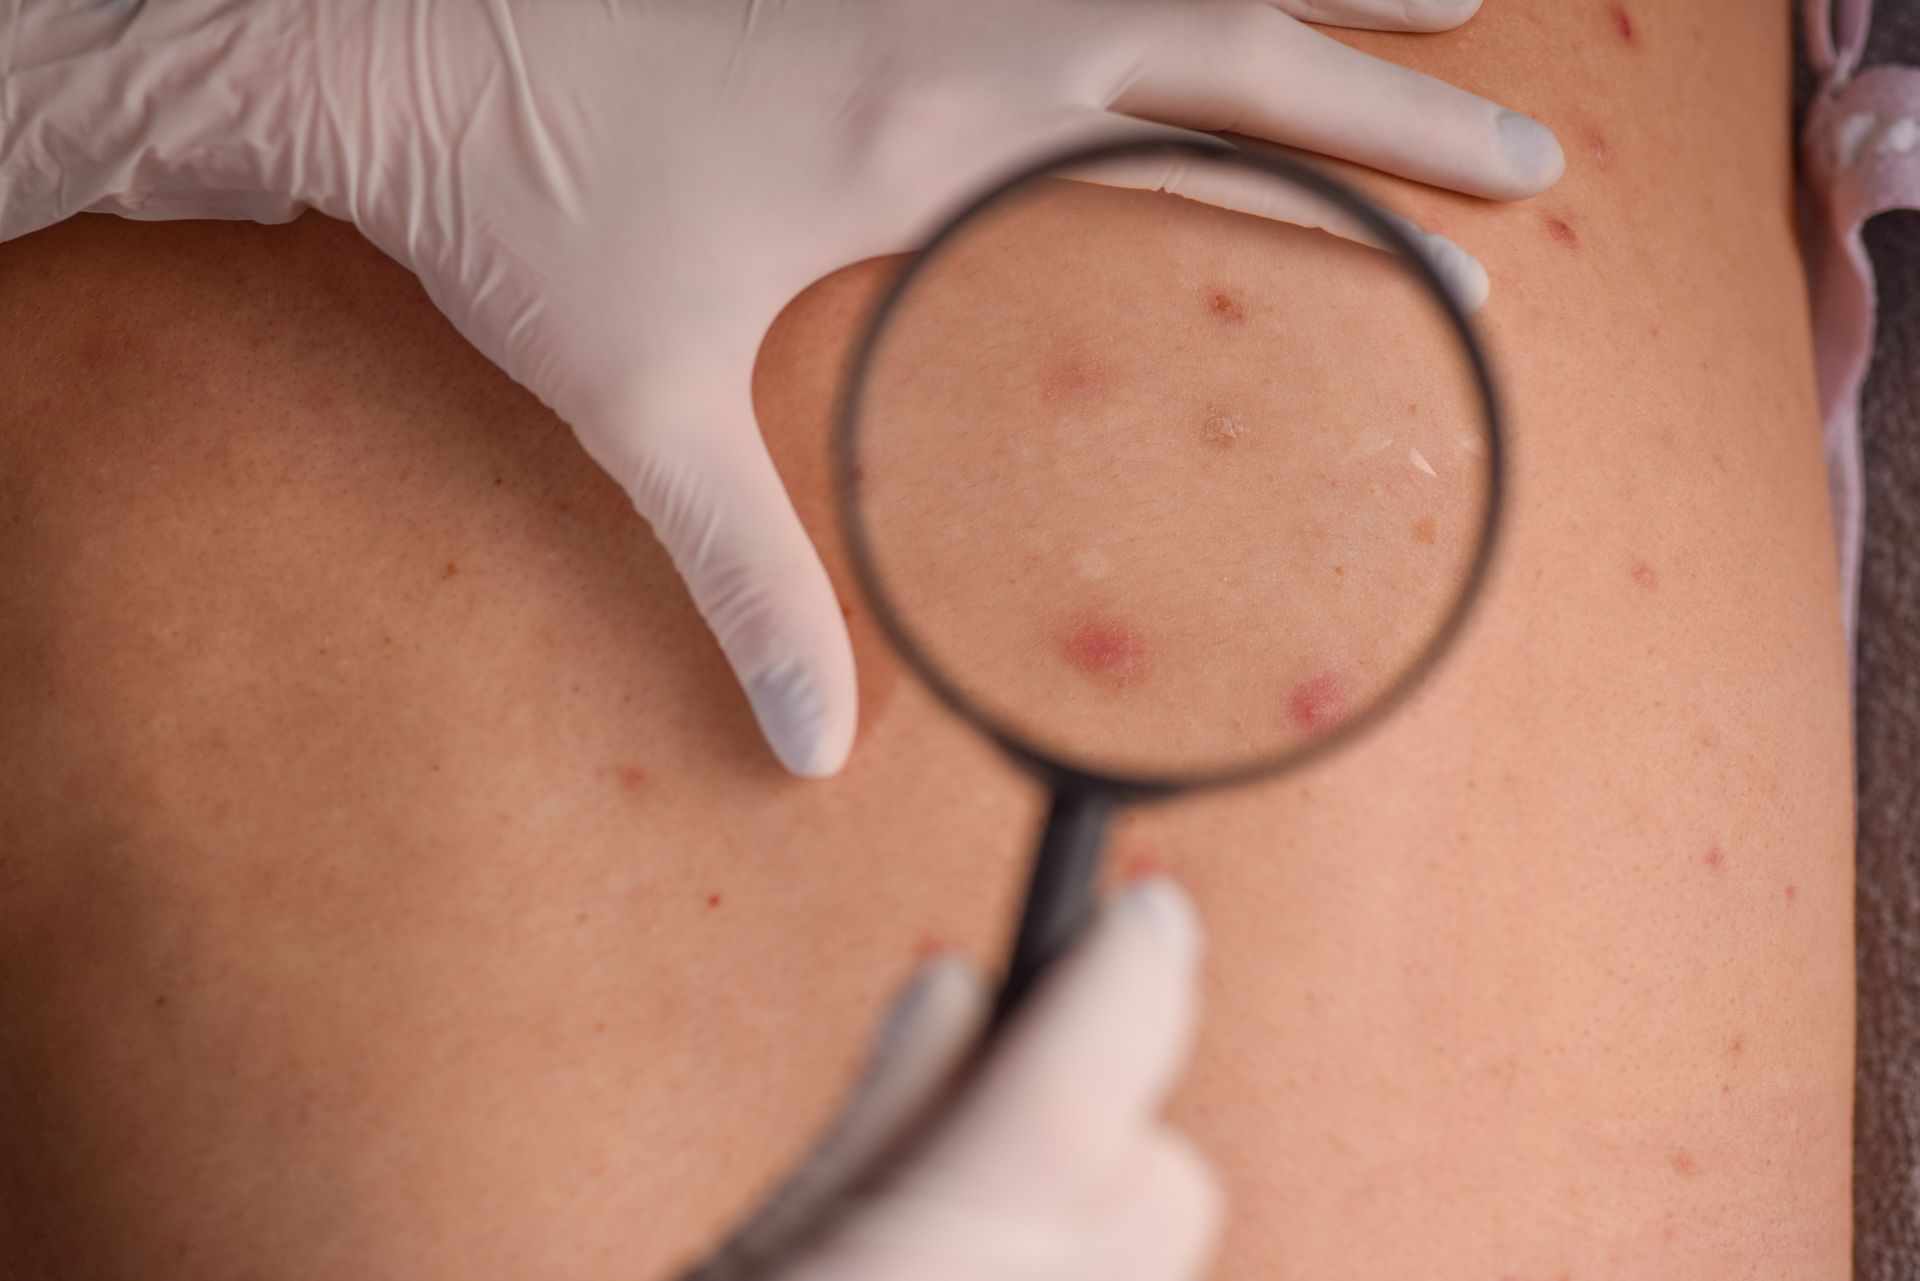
x: 1886, y: 1124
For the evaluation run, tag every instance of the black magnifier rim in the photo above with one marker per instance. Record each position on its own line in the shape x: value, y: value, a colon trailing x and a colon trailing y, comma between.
x: 1066, y: 774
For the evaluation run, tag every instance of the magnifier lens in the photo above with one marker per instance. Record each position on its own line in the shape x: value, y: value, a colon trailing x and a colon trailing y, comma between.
x: 1191, y: 498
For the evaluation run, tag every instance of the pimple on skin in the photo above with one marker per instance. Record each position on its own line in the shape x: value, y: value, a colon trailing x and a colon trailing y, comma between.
x: 1643, y: 574
x: 1561, y: 230
x: 1792, y: 893
x: 1105, y: 648
x: 1684, y: 1165
x: 1715, y: 858
x: 449, y: 570
x: 1224, y: 307
x: 1622, y: 24
x: 713, y: 900
x: 1319, y: 702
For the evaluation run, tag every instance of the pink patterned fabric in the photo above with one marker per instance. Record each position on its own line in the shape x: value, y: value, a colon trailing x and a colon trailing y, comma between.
x: 1860, y: 156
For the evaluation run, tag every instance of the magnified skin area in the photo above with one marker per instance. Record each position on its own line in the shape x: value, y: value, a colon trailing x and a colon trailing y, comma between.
x: 1198, y: 501
x: 392, y: 881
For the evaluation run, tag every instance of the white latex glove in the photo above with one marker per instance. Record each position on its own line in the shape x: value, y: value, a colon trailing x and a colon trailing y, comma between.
x: 612, y: 199
x: 1051, y: 1163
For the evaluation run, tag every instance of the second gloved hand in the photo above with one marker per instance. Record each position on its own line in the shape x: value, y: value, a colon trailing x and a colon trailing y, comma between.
x: 612, y: 199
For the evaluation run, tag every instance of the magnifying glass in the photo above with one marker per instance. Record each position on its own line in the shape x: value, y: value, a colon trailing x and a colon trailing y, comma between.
x: 1215, y: 493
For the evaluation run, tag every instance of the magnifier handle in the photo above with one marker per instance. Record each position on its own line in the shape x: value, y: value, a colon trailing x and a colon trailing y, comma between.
x: 1059, y: 892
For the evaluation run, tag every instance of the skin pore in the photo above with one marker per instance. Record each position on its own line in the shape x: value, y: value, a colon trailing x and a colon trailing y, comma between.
x: 392, y: 881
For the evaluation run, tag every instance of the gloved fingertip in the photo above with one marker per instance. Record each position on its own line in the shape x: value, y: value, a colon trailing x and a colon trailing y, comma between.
x: 810, y: 736
x: 1531, y: 151
x: 1160, y: 906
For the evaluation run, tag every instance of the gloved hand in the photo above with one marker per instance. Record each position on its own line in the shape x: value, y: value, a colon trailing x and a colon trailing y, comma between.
x: 1051, y: 1164
x: 612, y: 199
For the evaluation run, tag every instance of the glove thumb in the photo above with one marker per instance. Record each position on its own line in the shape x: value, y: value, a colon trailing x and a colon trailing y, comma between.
x: 688, y: 451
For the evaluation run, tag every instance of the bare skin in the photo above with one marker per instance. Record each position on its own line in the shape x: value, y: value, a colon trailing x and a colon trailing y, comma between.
x: 393, y: 883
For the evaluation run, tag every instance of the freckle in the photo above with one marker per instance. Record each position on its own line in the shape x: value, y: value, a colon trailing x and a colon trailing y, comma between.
x: 1413, y: 407
x: 562, y: 505
x: 599, y: 1027
x: 499, y: 480
x: 1715, y: 858
x: 1643, y: 574
x: 1425, y: 530
x: 1623, y: 24
x: 1102, y: 647
x: 159, y: 1000
x: 217, y: 740
x: 1339, y: 571
x: 386, y: 638
x: 1317, y: 703
x: 713, y: 900
x: 1562, y: 231
x: 580, y: 919
x: 1793, y: 892
x: 1737, y: 1045
x: 450, y: 570
x: 1684, y: 1164
x: 1227, y: 308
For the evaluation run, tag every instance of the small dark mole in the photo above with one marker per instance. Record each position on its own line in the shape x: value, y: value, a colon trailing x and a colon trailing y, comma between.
x: 1228, y: 310
x: 1425, y: 530
x: 499, y: 480
x: 1792, y: 893
x: 713, y: 900
x: 386, y: 638
x: 1643, y: 574
x: 1339, y: 571
x: 1684, y: 1165
x: 450, y: 570
x: 1715, y: 858
x: 1413, y: 406
x: 1562, y: 231
x: 1622, y: 23
x: 562, y: 505
x: 159, y: 1000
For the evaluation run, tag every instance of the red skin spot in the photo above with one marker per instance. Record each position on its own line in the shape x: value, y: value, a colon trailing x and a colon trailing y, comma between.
x: 217, y: 740
x: 1104, y: 648
x: 630, y: 777
x: 713, y: 900
x: 1622, y: 24
x: 1737, y: 1045
x: 1136, y: 864
x: 1684, y: 1165
x: 928, y: 947
x: 562, y: 505
x: 599, y: 1027
x: 1643, y: 575
x: 1715, y: 858
x: 450, y: 570
x: 1226, y: 308
x: 859, y: 470
x: 1073, y: 382
x: 1562, y: 231
x: 576, y: 687
x: 1793, y: 892
x: 1318, y: 703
